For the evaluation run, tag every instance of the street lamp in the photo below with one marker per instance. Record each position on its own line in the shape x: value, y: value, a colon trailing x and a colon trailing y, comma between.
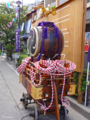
x: 19, y: 3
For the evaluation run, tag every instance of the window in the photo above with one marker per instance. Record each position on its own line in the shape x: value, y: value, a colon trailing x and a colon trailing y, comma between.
x: 46, y: 2
x: 88, y: 1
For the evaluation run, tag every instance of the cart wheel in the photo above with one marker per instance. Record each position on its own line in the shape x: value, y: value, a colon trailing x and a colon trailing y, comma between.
x: 36, y: 113
x: 63, y: 112
x: 24, y: 99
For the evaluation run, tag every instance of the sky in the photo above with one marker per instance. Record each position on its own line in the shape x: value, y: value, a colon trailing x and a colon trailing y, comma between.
x: 24, y: 1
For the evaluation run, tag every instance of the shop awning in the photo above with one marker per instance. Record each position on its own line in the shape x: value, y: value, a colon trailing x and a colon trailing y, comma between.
x: 24, y: 36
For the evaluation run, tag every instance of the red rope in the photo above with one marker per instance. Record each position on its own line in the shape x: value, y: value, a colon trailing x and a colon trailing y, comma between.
x: 52, y: 68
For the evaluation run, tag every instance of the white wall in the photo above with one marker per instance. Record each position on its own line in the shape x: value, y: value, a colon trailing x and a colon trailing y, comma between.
x: 62, y: 1
x: 38, y: 1
x: 46, y: 2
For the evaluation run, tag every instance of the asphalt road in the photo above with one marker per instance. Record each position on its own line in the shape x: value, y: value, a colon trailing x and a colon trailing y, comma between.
x: 11, y: 92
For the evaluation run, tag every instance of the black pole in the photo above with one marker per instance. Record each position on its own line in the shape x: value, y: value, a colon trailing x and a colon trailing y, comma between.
x: 22, y: 4
x: 19, y: 18
x: 19, y: 28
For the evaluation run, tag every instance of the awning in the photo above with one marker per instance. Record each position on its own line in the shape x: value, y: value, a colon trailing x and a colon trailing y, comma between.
x: 24, y: 37
x: 30, y: 13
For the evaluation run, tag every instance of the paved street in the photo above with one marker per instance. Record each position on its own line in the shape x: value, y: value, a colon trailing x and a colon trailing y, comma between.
x: 10, y: 93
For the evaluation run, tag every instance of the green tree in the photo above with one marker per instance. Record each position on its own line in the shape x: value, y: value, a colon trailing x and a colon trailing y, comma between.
x: 9, y: 48
x: 6, y: 16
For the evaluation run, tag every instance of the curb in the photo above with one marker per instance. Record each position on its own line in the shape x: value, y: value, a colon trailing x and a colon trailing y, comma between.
x: 83, y: 110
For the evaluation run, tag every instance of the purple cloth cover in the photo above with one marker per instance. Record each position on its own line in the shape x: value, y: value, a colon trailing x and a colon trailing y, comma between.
x: 44, y: 35
x: 88, y: 58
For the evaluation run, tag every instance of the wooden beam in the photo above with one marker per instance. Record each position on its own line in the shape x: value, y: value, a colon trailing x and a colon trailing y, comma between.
x: 79, y: 91
x: 87, y: 99
x: 82, y: 49
x: 56, y: 103
x: 83, y: 34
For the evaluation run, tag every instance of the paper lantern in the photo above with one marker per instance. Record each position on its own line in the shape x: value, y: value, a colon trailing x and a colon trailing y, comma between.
x: 11, y: 23
x: 7, y: 5
x: 13, y: 20
x: 16, y: 9
x: 16, y: 15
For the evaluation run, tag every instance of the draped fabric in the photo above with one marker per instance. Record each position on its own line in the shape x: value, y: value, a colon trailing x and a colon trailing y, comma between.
x: 88, y: 58
x: 45, y: 35
x: 88, y: 37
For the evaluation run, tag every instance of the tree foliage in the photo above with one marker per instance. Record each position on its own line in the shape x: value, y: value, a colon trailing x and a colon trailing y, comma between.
x: 6, y: 16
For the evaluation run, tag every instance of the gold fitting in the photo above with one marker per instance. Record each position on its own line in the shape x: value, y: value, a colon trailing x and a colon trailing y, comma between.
x: 37, y: 71
x: 40, y: 61
x: 66, y: 61
x: 36, y: 80
x: 53, y: 12
x: 49, y: 6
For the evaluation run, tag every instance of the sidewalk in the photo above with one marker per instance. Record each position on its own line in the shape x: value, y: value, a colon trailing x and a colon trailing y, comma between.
x: 11, y: 92
x: 83, y: 110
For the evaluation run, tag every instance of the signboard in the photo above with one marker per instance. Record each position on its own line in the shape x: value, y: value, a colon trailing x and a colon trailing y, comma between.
x: 17, y: 41
x: 87, y: 38
x: 15, y: 55
x: 3, y: 47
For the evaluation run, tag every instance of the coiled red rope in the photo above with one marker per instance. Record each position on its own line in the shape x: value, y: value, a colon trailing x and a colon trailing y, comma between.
x: 52, y: 68
x: 22, y: 67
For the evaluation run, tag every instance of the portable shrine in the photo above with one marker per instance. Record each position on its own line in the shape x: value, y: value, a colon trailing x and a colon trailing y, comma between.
x: 46, y: 78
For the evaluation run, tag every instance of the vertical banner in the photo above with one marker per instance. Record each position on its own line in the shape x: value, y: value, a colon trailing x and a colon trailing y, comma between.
x: 88, y: 58
x: 17, y: 41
